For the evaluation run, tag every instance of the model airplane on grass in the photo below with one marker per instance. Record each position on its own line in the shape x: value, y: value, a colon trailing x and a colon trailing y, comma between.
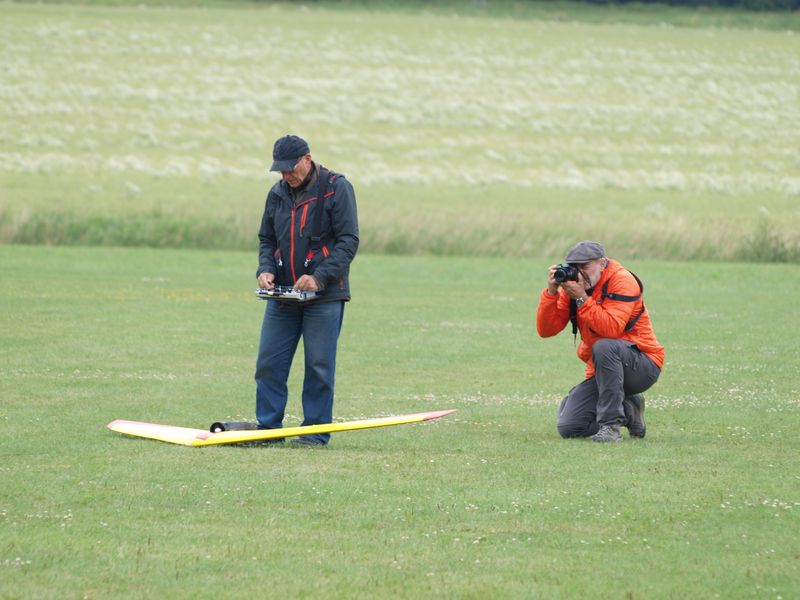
x: 186, y: 436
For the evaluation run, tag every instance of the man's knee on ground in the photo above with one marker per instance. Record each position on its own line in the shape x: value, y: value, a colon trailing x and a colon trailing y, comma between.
x: 570, y: 429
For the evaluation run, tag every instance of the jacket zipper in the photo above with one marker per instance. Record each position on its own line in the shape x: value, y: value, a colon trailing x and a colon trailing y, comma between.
x: 304, y: 204
x: 303, y: 219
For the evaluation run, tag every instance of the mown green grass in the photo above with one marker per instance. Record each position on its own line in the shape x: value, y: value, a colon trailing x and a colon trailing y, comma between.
x: 463, y: 133
x: 486, y: 502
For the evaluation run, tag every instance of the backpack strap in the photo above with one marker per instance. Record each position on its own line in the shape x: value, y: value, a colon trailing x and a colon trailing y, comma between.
x: 632, y: 322
x: 324, y: 180
x: 623, y: 298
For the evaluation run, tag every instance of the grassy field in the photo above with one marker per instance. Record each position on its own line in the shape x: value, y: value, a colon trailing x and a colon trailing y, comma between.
x: 483, y: 140
x: 488, y: 502
x: 463, y: 134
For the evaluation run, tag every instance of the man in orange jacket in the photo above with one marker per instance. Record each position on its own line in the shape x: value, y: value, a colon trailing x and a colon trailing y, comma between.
x: 603, y: 300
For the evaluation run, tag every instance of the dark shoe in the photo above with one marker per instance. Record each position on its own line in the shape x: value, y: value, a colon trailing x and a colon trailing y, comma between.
x: 608, y: 433
x: 274, y: 442
x: 305, y: 440
x: 634, y: 411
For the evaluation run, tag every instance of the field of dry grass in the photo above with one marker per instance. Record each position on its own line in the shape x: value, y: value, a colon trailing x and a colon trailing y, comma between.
x: 462, y: 135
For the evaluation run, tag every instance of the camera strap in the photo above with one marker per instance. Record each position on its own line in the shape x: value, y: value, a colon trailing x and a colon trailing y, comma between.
x: 573, y: 315
x: 573, y: 318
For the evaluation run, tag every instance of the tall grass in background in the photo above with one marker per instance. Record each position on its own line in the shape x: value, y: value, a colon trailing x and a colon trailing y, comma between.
x: 463, y: 133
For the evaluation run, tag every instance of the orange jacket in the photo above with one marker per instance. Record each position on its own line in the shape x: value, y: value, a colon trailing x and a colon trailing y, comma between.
x: 602, y: 318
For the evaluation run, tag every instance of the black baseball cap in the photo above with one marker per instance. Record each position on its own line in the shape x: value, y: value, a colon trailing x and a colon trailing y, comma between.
x: 287, y: 151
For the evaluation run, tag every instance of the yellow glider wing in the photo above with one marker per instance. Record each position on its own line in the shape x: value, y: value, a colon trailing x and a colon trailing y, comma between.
x: 186, y: 436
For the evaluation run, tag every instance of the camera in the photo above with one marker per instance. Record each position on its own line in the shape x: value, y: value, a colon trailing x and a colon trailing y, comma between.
x: 565, y: 273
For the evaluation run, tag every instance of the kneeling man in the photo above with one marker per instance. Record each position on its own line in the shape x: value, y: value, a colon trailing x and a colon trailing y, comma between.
x: 603, y: 301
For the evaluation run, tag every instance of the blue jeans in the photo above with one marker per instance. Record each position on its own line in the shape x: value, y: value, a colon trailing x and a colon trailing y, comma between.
x: 284, y: 323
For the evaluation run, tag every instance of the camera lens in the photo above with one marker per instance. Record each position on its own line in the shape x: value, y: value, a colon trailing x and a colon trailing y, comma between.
x: 564, y: 273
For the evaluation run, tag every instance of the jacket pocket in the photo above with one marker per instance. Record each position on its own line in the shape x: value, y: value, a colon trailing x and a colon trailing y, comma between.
x: 281, y: 269
x: 314, y: 258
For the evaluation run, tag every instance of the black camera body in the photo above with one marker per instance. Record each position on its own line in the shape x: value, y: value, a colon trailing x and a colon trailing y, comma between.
x: 565, y: 273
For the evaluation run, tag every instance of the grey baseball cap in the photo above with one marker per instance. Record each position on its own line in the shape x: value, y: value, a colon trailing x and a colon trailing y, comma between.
x: 287, y: 151
x: 584, y: 251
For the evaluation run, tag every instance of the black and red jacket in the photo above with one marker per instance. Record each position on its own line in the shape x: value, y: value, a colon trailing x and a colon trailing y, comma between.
x: 289, y: 245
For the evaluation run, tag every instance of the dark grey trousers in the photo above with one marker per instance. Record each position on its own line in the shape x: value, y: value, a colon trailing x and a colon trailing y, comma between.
x: 621, y: 369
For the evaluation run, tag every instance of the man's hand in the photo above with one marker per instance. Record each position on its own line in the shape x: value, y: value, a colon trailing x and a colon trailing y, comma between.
x: 307, y: 283
x: 574, y: 289
x: 266, y: 280
x: 552, y: 285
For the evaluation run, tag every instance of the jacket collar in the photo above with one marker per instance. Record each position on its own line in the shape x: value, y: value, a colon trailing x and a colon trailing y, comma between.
x: 608, y: 272
x: 286, y: 192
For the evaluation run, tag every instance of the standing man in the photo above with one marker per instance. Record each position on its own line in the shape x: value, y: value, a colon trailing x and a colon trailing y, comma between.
x: 308, y: 238
x: 603, y: 300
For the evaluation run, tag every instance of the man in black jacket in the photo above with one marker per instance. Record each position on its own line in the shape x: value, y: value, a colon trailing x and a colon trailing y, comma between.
x: 308, y: 238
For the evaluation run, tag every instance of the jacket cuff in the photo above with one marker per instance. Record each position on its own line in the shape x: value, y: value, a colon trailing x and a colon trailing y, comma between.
x: 545, y: 295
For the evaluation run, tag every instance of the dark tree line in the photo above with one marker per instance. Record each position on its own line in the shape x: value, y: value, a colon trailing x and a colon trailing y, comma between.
x: 774, y: 5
